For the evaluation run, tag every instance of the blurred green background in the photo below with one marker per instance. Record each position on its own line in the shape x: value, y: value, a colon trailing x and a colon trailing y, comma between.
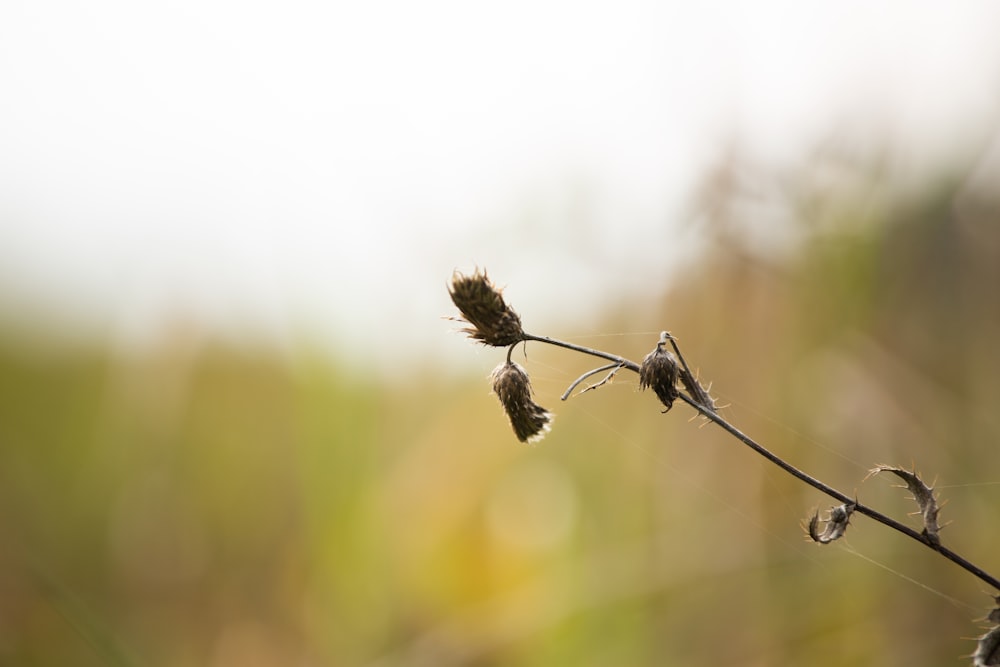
x: 205, y: 503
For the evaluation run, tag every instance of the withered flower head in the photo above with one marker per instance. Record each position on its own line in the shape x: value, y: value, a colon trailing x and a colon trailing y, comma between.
x: 530, y: 421
x: 493, y: 321
x: 659, y: 371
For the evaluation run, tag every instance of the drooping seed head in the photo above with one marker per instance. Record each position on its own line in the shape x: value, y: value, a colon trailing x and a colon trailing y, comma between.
x: 659, y: 370
x: 482, y: 306
x: 530, y: 421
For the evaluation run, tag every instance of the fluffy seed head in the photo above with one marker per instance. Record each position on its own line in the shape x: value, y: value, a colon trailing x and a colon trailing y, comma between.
x: 482, y: 306
x: 659, y: 370
x: 530, y: 421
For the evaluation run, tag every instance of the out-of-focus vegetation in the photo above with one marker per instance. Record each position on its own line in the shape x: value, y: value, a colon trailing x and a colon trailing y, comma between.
x: 203, y: 505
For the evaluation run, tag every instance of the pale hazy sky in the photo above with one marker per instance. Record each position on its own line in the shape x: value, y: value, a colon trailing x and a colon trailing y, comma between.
x: 272, y: 167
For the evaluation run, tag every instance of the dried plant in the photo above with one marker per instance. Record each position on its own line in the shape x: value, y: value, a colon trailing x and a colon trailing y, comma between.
x: 494, y: 323
x: 530, y: 421
x: 659, y: 371
x: 836, y: 523
x: 482, y: 305
x: 922, y: 494
x: 987, y: 651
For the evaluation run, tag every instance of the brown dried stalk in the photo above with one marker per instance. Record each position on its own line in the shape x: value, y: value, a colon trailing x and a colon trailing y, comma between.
x: 493, y: 322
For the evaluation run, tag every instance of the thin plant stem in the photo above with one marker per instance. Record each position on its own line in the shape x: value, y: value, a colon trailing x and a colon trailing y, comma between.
x: 777, y: 460
x: 614, y: 368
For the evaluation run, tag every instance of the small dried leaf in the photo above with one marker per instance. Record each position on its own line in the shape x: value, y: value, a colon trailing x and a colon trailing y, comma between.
x: 659, y: 370
x: 923, y: 494
x: 482, y: 305
x: 836, y: 523
x: 529, y: 420
x: 987, y: 652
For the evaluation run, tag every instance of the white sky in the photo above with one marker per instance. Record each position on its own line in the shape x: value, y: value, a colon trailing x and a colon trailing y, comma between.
x: 268, y: 167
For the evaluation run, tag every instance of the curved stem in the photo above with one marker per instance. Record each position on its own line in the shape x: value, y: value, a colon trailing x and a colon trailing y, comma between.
x: 787, y: 467
x: 576, y: 382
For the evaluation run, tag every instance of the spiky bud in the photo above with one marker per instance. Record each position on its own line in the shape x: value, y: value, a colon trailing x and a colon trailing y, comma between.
x: 482, y: 305
x: 659, y: 371
x: 836, y: 524
x: 530, y: 421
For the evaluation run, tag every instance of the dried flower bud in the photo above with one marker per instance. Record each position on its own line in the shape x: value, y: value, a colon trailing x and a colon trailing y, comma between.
x: 659, y: 371
x: 923, y: 494
x: 530, y: 421
x: 836, y: 523
x: 481, y: 304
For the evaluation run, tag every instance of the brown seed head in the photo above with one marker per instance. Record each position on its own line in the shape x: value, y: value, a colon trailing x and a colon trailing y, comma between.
x: 530, y: 421
x: 482, y: 305
x: 659, y: 371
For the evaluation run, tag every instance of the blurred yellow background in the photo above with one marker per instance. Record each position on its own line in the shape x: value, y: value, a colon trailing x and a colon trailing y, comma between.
x: 211, y: 504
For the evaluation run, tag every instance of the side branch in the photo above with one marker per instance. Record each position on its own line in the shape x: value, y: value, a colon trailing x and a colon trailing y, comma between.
x: 614, y: 368
x: 778, y: 461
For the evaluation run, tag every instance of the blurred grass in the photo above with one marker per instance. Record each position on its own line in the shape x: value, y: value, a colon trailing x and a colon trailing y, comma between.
x: 202, y: 505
